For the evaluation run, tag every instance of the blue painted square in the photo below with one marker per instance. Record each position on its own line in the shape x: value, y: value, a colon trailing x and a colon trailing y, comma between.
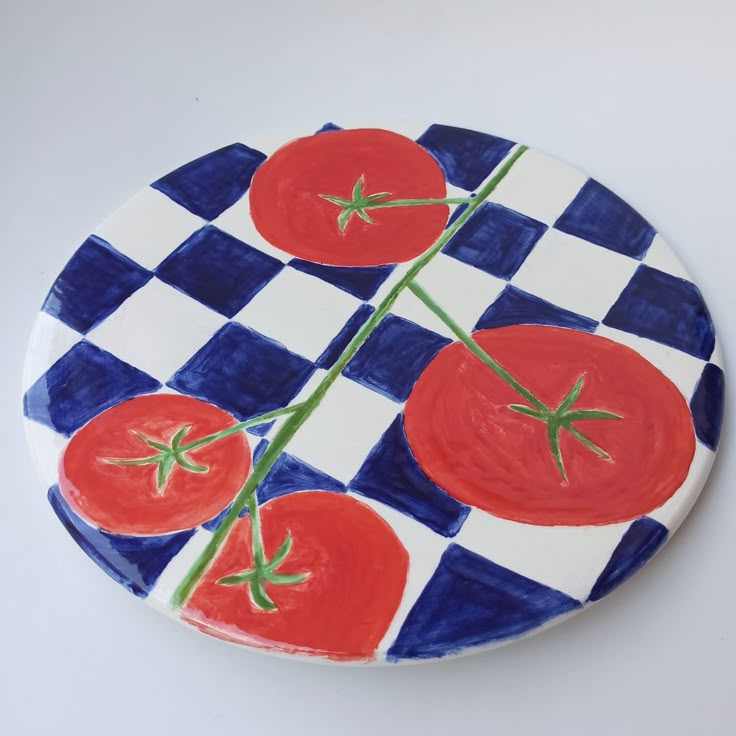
x: 328, y: 127
x: 360, y: 281
x: 260, y: 430
x: 289, y: 474
x: 496, y: 240
x: 516, y: 307
x: 470, y: 601
x: 218, y: 270
x: 599, y: 216
x: 211, y: 524
x: 134, y: 562
x: 707, y: 406
x: 82, y: 383
x: 637, y: 546
x: 210, y: 184
x: 466, y: 156
x: 664, y: 308
x: 243, y: 372
x: 94, y: 283
x: 338, y: 343
x: 458, y: 211
x: 392, y: 358
x: 390, y: 474
x: 259, y: 449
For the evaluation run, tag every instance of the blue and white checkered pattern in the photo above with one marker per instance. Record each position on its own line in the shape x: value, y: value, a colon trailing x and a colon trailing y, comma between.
x: 179, y: 279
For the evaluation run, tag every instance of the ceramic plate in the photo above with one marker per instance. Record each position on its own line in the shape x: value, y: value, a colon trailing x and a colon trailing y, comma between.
x: 373, y: 395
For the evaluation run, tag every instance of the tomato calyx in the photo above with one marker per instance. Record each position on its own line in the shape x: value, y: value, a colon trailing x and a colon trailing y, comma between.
x: 355, y: 206
x: 265, y: 571
x: 359, y: 203
x: 168, y: 456
x: 561, y: 417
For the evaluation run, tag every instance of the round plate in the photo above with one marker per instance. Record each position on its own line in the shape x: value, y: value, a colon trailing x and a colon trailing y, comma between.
x: 373, y: 395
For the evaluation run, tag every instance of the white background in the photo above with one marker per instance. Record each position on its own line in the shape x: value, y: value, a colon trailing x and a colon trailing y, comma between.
x: 99, y: 98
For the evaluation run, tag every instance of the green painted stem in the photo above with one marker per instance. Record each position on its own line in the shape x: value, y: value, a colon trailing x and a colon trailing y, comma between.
x: 255, y: 531
x: 259, y: 595
x: 415, y: 202
x: 252, y: 422
x: 474, y: 348
x: 297, y: 418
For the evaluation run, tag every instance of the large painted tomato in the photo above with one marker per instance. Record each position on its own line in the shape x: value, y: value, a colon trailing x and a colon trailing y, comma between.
x: 104, y: 476
x: 467, y: 439
x: 356, y: 569
x: 290, y: 211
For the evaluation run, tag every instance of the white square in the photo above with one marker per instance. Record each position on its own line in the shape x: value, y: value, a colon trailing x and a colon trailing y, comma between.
x: 717, y: 355
x: 50, y: 339
x: 425, y: 548
x: 343, y: 429
x: 149, y: 227
x: 575, y: 274
x: 301, y: 311
x: 662, y: 257
x: 237, y: 221
x: 410, y: 307
x: 157, y: 329
x: 567, y: 558
x: 396, y: 275
x: 45, y: 446
x: 682, y: 369
x: 462, y: 291
x: 539, y: 186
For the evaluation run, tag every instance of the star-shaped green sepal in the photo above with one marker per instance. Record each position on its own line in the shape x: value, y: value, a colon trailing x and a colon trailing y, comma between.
x: 355, y: 206
x: 562, y: 417
x: 168, y: 456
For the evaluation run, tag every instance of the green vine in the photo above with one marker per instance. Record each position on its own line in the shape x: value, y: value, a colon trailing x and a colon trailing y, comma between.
x: 264, y: 569
x: 297, y: 418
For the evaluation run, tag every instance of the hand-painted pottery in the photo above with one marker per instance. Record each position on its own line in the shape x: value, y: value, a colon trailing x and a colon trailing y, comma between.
x: 373, y: 395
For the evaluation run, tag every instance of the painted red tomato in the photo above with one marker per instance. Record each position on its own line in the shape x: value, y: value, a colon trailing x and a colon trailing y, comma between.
x: 356, y: 569
x: 100, y: 484
x: 289, y: 212
x: 467, y: 439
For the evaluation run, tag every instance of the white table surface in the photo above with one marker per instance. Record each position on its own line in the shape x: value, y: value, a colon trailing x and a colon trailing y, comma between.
x: 99, y: 98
